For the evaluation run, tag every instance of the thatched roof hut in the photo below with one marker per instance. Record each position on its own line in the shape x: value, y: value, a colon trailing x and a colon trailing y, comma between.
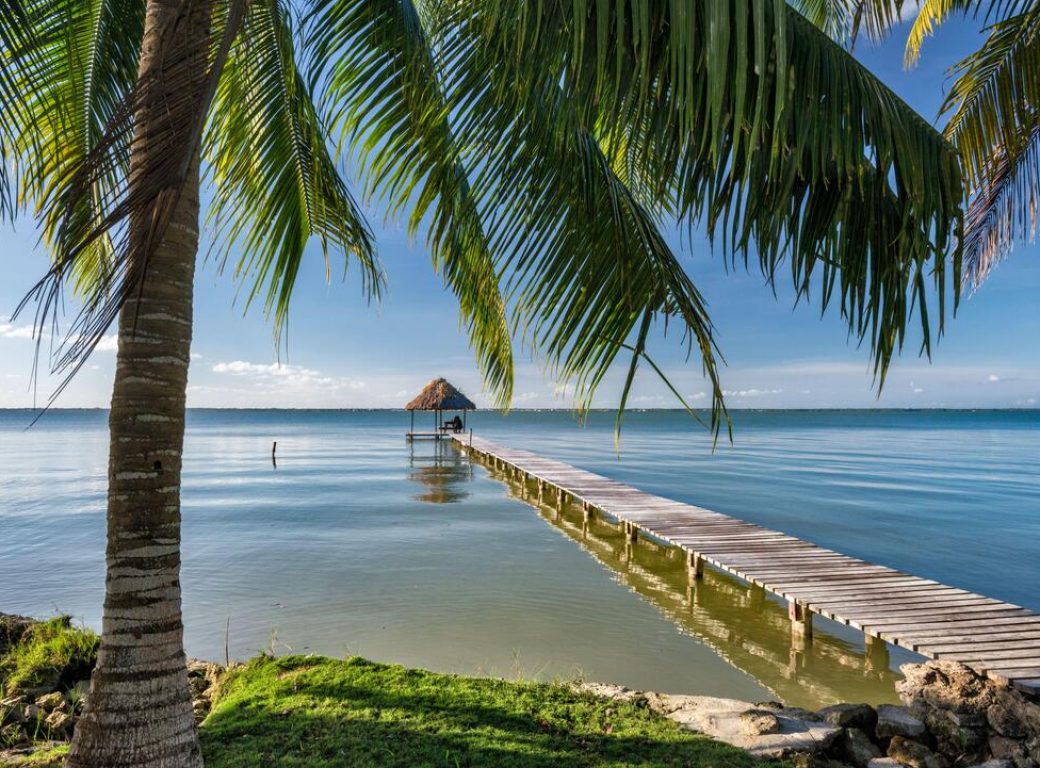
x: 440, y: 395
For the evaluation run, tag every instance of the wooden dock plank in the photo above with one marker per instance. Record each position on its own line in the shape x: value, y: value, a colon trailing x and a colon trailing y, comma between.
x: 994, y: 637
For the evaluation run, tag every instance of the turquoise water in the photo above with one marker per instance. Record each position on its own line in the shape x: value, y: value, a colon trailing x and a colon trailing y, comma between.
x: 359, y: 543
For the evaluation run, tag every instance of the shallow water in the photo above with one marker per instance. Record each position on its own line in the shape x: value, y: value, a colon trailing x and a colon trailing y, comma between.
x: 360, y: 543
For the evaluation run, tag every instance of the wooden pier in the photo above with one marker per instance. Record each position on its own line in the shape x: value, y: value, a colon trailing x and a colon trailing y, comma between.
x: 995, y: 638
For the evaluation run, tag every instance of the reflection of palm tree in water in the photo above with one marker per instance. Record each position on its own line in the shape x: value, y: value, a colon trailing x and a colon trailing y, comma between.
x: 443, y: 472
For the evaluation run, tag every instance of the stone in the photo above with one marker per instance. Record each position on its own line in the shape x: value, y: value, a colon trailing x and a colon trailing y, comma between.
x: 51, y: 701
x: 758, y: 722
x: 609, y: 691
x: 945, y: 685
x: 961, y: 743
x: 11, y: 735
x: 59, y: 723
x: 12, y: 628
x: 860, y: 716
x: 723, y: 719
x: 13, y: 712
x: 1012, y: 750
x: 914, y: 754
x: 885, y: 762
x: 803, y: 760
x: 994, y: 763
x: 1013, y: 716
x: 859, y: 749
x: 897, y: 721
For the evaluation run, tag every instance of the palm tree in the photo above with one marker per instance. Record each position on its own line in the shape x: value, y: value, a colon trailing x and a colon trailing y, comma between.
x: 542, y: 147
x: 992, y: 115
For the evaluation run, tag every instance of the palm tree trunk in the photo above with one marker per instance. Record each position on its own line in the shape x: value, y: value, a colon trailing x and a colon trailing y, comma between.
x: 139, y: 710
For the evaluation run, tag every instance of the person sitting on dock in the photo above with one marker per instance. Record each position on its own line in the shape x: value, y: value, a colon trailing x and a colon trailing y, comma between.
x: 456, y: 424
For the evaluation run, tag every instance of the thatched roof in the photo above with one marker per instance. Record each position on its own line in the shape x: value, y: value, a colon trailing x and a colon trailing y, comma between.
x: 439, y: 395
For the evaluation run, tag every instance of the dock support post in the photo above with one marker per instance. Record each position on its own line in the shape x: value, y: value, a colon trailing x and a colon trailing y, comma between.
x: 801, y: 621
x: 695, y: 565
x: 756, y: 597
x: 631, y: 531
x: 877, y: 658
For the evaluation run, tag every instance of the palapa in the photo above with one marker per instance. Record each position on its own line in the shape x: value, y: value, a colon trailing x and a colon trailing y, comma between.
x: 440, y: 395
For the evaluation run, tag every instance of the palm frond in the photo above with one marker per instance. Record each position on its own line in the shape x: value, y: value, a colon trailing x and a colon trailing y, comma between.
x: 583, y: 259
x: 275, y: 184
x: 932, y: 14
x: 844, y: 20
x: 161, y: 121
x: 751, y: 120
x: 1005, y: 208
x: 387, y: 107
x: 79, y: 68
x: 996, y: 93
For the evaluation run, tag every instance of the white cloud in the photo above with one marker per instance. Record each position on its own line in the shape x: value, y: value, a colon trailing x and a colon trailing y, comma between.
x: 266, y: 376
x: 753, y: 392
x: 992, y: 378
x: 242, y: 368
x: 28, y: 332
x: 10, y: 331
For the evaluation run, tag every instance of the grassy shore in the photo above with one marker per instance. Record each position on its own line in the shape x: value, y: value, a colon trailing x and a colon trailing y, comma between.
x: 318, y: 712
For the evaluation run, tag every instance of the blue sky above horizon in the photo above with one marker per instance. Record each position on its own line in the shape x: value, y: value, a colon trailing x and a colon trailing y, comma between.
x: 342, y: 352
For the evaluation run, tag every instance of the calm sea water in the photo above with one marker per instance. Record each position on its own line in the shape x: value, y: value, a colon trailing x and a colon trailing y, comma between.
x: 360, y: 543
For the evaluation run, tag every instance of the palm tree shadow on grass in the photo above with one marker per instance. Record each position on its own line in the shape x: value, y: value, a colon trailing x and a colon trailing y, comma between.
x: 297, y: 711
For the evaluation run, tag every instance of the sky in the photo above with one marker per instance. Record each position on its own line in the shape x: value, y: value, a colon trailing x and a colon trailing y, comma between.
x: 342, y: 352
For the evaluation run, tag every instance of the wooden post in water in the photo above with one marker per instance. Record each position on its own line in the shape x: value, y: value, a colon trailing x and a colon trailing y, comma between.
x: 877, y: 658
x: 631, y: 531
x: 694, y: 566
x: 801, y: 622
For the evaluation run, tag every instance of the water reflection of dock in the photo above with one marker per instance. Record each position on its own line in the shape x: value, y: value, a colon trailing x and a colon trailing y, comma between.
x: 441, y: 471
x: 741, y: 623
x: 936, y: 620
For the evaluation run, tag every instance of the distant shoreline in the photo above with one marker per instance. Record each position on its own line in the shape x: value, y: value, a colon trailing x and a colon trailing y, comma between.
x: 979, y: 409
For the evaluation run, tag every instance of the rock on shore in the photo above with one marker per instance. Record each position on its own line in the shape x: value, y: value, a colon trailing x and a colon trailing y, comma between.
x: 953, y: 717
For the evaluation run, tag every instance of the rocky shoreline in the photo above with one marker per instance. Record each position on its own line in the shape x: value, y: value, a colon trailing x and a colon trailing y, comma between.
x: 952, y: 717
x: 44, y: 713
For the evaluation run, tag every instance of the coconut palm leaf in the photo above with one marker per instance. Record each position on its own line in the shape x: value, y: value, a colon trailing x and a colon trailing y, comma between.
x: 77, y: 71
x: 13, y: 23
x: 994, y: 123
x: 932, y: 13
x: 387, y: 108
x: 823, y: 169
x: 167, y: 149
x: 275, y: 185
x: 843, y: 20
x: 1005, y: 208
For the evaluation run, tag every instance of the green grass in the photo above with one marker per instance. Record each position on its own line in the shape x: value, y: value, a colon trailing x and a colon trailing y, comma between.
x: 44, y: 758
x: 314, y: 712
x: 317, y: 712
x: 50, y: 654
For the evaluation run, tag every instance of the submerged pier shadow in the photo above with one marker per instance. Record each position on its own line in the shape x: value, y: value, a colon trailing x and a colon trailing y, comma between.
x: 743, y: 624
x: 441, y: 470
